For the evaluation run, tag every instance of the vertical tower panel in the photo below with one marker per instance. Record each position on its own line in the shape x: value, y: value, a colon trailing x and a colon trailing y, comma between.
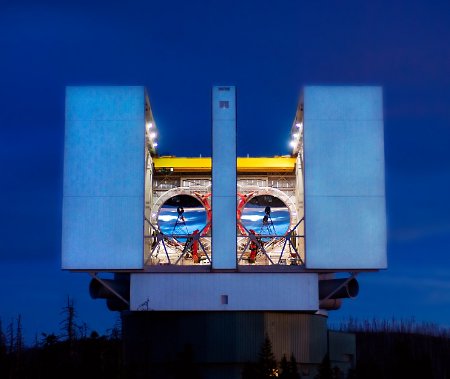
x: 103, y: 203
x: 345, y: 216
x: 224, y: 178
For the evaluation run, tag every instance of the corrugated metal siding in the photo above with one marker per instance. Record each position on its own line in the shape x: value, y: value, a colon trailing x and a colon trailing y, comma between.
x: 318, y: 340
x: 223, y: 337
x: 303, y: 335
x: 216, y: 337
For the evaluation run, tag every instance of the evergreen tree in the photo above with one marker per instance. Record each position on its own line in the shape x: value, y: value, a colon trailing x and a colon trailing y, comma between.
x: 267, y: 365
x: 325, y: 371
x: 284, y: 368
x: 294, y: 374
x: 289, y: 369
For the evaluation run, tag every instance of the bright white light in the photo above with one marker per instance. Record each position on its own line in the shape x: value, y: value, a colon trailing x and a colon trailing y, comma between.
x: 155, y: 144
x: 292, y: 143
x: 295, y: 135
x: 153, y: 135
x: 299, y: 124
x: 149, y: 125
x: 165, y: 217
x: 252, y: 218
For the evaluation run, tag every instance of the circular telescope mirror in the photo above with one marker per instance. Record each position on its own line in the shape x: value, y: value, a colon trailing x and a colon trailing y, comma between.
x: 181, y: 215
x: 267, y: 215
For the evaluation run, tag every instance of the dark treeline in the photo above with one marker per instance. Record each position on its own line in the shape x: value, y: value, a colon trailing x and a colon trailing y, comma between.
x: 72, y: 352
x: 385, y: 349
x: 400, y: 349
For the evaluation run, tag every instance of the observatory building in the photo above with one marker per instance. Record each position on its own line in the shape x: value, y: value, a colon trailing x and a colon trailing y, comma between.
x: 213, y: 254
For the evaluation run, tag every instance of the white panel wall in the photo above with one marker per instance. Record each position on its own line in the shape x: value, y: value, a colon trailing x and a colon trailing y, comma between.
x: 204, y: 292
x: 345, y: 216
x: 103, y: 203
x: 224, y: 178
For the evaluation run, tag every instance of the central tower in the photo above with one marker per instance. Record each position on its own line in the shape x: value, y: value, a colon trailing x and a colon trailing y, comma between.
x: 224, y: 178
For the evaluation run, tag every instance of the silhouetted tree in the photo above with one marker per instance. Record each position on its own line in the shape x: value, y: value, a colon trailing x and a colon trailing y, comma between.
x: 284, y: 368
x: 83, y: 330
x: 3, y: 351
x: 267, y: 365
x: 325, y: 371
x: 49, y: 339
x: 19, y: 343
x: 10, y: 337
x: 115, y: 333
x: 68, y: 323
x: 289, y: 370
x: 2, y: 341
x: 293, y: 368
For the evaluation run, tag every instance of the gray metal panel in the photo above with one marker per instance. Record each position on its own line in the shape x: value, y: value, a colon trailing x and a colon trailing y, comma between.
x: 345, y: 215
x: 103, y: 203
x: 189, y: 292
x: 224, y: 178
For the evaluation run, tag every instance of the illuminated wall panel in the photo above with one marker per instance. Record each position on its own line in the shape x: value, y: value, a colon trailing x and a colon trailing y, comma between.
x: 224, y: 291
x: 345, y: 216
x: 103, y: 203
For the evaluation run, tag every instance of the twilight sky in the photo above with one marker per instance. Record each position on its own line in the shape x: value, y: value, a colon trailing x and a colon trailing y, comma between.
x: 269, y: 50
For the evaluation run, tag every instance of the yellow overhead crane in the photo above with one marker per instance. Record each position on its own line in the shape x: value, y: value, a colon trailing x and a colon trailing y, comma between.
x: 259, y: 164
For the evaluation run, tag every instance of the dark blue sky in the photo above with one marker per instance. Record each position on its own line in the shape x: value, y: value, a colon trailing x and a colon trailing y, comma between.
x: 269, y: 50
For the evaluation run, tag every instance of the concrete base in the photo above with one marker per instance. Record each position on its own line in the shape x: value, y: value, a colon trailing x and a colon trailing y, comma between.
x: 219, y: 344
